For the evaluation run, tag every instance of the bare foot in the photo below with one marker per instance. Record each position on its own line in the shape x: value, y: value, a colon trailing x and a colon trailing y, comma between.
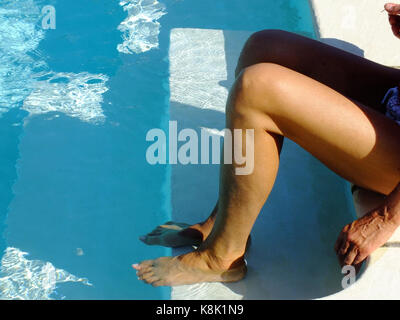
x: 194, y: 267
x: 175, y: 235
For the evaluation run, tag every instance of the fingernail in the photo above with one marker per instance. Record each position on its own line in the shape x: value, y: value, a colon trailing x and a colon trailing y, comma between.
x: 135, y: 266
x: 389, y: 6
x: 142, y: 238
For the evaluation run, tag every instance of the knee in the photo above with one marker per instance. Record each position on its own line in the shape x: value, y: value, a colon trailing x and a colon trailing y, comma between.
x: 261, y: 76
x: 261, y: 46
x: 256, y: 89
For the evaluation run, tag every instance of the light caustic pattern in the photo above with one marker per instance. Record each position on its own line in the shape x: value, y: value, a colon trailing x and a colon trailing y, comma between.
x: 26, y: 82
x: 23, y: 279
x: 24, y: 75
x: 141, y: 28
x: 76, y: 95
x: 18, y: 37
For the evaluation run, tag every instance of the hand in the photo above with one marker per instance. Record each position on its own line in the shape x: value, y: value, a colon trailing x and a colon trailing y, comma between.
x: 394, y: 18
x: 360, y: 238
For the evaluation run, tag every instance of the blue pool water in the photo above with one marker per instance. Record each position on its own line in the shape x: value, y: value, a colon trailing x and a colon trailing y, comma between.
x: 76, y: 103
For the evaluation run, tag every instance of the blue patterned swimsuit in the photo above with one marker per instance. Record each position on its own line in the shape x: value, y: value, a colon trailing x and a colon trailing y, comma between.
x: 392, y: 103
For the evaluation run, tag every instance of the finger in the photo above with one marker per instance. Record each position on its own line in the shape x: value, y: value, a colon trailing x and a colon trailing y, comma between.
x: 395, y: 24
x: 358, y: 267
x: 341, y: 260
x: 360, y: 258
x: 351, y: 255
x: 343, y: 249
x: 338, y: 245
x: 396, y: 30
x: 392, y: 8
x: 394, y: 19
x: 340, y: 256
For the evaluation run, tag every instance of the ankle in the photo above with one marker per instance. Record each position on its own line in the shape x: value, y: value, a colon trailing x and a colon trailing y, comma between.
x: 193, y: 232
x: 224, y: 261
x: 204, y: 227
x: 222, y: 252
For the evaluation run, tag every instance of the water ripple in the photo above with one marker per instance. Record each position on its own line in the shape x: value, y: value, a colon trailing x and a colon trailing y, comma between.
x: 141, y: 28
x: 76, y: 95
x: 24, y: 279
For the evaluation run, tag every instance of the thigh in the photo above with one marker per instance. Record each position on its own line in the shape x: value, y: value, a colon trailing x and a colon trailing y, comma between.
x: 351, y: 75
x: 357, y: 142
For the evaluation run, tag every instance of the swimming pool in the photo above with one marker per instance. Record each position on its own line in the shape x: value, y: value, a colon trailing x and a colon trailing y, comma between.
x: 76, y: 103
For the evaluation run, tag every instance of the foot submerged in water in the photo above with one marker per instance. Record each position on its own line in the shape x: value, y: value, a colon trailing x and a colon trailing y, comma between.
x: 177, y: 234
x: 174, y: 235
x: 194, y: 267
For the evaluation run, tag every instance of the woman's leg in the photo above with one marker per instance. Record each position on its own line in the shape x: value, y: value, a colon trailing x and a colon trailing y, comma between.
x: 353, y: 140
x: 355, y: 77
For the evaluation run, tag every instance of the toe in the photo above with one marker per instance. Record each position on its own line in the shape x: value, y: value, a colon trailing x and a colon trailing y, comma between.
x: 143, y: 266
x: 135, y: 266
x: 149, y: 239
x: 146, y: 276
x: 150, y: 279
x: 156, y: 231
x: 147, y: 266
x: 142, y: 273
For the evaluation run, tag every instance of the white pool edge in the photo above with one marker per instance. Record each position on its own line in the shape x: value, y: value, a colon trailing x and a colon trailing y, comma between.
x: 357, y: 23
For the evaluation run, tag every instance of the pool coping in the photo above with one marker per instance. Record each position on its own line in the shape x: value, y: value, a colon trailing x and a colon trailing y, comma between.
x: 361, y: 27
